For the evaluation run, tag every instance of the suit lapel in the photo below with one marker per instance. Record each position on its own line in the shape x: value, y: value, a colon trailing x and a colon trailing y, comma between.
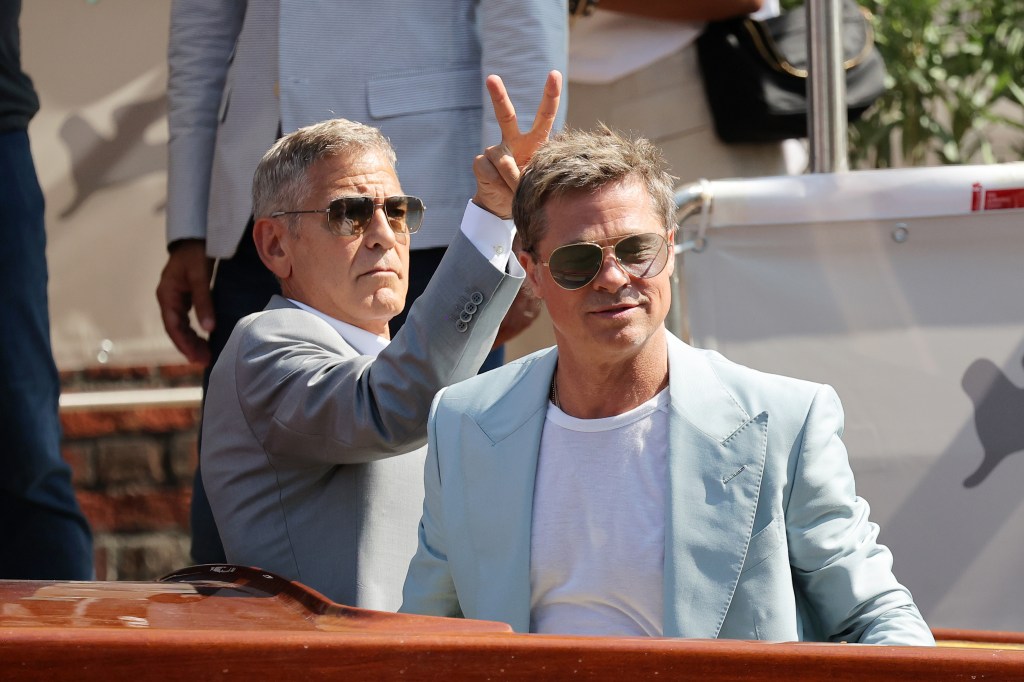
x: 499, y: 492
x: 716, y: 460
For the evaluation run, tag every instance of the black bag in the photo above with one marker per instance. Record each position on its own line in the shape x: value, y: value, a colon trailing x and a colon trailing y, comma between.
x: 755, y: 73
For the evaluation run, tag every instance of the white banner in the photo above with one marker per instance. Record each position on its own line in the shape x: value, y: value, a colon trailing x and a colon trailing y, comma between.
x: 904, y: 290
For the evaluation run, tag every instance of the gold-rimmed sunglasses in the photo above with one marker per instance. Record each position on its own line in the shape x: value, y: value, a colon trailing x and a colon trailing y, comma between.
x: 349, y: 216
x: 574, y: 266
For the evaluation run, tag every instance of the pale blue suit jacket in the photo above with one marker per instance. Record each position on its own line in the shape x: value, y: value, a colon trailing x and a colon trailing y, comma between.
x: 765, y: 537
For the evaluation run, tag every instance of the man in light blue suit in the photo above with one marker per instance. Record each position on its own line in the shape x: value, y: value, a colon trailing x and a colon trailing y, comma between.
x: 624, y: 483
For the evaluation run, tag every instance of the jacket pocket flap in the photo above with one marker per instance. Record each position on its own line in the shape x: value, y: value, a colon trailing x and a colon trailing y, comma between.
x: 413, y: 92
x: 764, y: 543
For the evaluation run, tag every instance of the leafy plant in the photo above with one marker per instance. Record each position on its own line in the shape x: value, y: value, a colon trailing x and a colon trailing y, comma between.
x: 956, y: 82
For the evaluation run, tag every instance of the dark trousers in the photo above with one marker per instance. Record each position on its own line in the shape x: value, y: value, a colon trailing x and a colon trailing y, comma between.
x: 244, y: 286
x: 43, y: 534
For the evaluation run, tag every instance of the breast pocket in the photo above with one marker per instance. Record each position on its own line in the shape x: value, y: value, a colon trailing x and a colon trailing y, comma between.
x: 417, y: 92
x: 764, y: 544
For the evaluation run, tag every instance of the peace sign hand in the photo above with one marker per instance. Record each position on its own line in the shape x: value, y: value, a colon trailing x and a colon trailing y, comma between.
x: 497, y: 170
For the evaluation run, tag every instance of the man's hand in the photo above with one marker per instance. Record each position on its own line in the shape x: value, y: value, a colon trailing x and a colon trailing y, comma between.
x: 185, y: 283
x: 497, y: 170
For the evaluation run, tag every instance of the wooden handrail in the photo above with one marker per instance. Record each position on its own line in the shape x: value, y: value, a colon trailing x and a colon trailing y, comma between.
x: 230, y: 622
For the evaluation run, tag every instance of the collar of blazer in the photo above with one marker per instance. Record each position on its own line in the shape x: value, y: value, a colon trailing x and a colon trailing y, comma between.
x: 698, y: 395
x: 333, y: 341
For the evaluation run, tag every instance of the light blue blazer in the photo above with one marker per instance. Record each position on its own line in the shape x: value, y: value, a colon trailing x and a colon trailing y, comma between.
x: 765, y: 537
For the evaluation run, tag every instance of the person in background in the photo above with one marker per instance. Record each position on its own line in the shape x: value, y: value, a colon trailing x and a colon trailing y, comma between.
x: 242, y: 73
x: 633, y: 66
x: 624, y: 483
x: 315, y: 420
x: 42, y: 530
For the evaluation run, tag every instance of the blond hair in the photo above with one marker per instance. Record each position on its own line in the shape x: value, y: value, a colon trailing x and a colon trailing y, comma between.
x: 578, y: 160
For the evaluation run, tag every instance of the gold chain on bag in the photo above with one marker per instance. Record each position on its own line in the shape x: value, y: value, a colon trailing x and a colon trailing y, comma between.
x: 770, y: 52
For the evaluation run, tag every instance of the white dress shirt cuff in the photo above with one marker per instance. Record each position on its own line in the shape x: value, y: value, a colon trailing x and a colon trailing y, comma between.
x: 491, y: 235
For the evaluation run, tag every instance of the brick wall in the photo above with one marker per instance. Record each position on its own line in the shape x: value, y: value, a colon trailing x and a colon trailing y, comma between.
x: 132, y: 471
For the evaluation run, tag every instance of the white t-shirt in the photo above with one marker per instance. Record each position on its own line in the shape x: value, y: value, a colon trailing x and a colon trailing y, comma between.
x: 597, y: 548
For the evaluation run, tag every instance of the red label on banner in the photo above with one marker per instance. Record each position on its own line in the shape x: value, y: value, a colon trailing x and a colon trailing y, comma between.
x: 1004, y: 198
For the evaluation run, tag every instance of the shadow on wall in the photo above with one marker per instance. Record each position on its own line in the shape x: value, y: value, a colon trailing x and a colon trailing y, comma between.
x: 99, y: 162
x: 947, y: 524
x: 998, y: 415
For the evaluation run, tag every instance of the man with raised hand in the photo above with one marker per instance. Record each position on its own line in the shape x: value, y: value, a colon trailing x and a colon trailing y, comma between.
x: 315, y: 421
x: 624, y: 483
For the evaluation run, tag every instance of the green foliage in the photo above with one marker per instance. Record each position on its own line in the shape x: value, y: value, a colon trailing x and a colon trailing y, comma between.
x: 956, y: 81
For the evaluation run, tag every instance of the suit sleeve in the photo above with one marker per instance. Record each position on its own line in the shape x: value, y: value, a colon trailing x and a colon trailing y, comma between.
x: 429, y: 586
x: 202, y: 36
x: 521, y: 41
x: 308, y: 404
x: 837, y: 562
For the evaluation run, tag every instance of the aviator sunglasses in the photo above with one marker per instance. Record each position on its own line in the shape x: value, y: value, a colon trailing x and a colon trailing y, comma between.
x: 349, y: 216
x: 574, y: 266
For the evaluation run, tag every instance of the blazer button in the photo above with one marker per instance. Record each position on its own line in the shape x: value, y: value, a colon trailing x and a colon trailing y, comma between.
x: 465, y: 316
x: 461, y: 326
x: 477, y: 298
x: 470, y: 308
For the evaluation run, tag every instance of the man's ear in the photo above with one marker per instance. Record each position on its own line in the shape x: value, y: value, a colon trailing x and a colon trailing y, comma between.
x: 533, y: 272
x: 273, y: 244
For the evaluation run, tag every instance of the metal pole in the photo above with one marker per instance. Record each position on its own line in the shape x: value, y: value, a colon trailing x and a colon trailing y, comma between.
x: 826, y: 87
x: 692, y: 199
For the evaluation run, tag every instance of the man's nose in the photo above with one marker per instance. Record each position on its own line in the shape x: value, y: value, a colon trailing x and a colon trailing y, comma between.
x: 611, y: 276
x: 379, y: 231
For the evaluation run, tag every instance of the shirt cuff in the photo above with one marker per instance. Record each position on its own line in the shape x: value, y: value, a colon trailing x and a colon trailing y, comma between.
x: 491, y: 235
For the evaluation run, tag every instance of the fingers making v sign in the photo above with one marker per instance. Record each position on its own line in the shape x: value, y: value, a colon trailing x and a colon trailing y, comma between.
x: 497, y: 170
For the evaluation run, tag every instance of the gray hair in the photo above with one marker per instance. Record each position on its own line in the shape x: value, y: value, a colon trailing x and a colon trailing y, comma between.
x: 578, y: 160
x: 281, y: 181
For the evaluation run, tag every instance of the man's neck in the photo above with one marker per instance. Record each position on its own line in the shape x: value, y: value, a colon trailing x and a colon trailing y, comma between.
x: 591, y: 389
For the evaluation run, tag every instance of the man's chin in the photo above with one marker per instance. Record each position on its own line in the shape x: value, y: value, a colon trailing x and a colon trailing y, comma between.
x: 388, y: 302
x: 623, y: 332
